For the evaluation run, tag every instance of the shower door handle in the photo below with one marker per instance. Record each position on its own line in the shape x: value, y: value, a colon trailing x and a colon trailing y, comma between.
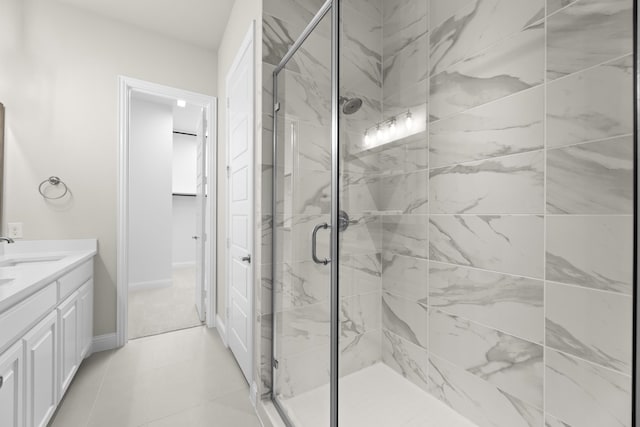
x: 314, y: 244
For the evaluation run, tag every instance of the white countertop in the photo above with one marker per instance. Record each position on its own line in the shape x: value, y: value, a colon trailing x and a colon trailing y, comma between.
x: 53, y: 258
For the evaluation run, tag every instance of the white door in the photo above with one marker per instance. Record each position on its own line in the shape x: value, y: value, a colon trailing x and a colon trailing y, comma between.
x: 240, y: 202
x: 200, y: 236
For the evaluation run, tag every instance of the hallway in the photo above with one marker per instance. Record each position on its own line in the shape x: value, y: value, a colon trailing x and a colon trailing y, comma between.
x: 183, y: 378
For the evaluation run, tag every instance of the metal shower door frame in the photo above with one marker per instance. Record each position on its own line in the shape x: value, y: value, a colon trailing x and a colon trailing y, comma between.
x: 334, y: 7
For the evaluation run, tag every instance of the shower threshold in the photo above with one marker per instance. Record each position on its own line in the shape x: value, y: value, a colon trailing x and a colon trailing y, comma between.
x: 376, y: 396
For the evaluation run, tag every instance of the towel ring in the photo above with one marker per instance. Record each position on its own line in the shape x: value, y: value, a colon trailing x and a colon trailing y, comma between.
x: 53, y: 180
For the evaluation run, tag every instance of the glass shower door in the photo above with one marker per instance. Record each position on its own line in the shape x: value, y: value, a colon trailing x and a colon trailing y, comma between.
x: 301, y: 270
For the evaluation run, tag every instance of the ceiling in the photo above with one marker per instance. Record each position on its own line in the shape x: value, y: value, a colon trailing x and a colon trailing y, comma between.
x: 184, y: 119
x: 199, y: 22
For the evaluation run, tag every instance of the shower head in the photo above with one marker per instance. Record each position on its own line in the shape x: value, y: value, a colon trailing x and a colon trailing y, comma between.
x: 350, y: 105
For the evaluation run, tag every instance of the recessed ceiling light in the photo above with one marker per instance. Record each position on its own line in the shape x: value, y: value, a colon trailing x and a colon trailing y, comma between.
x: 181, y: 103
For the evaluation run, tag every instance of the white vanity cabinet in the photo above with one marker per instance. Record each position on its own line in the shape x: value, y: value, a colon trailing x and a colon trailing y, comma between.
x: 12, y: 386
x: 69, y: 327
x: 40, y: 346
x: 43, y: 340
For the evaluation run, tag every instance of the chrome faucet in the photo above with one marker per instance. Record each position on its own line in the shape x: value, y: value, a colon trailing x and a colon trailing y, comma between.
x: 7, y: 239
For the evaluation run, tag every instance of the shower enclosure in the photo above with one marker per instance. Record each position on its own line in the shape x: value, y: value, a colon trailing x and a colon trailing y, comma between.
x: 453, y: 212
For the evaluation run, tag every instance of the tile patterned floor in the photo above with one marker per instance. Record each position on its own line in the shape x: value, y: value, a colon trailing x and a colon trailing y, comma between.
x: 184, y: 378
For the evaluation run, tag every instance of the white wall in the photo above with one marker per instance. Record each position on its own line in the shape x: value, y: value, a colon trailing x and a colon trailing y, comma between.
x: 185, y: 155
x: 58, y: 81
x: 150, y: 201
x: 243, y: 12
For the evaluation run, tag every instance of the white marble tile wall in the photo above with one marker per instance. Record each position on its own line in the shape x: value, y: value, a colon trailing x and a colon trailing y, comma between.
x: 489, y: 258
x: 528, y: 200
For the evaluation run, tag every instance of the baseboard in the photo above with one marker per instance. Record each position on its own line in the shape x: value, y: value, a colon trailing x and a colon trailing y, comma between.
x: 104, y: 342
x: 154, y: 284
x: 189, y: 264
x: 222, y: 330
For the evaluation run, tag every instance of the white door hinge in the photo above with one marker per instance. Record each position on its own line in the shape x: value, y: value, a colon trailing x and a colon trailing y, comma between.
x: 228, y: 243
x: 228, y: 171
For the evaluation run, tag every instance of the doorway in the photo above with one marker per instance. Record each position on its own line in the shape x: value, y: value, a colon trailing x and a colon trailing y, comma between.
x: 166, y: 210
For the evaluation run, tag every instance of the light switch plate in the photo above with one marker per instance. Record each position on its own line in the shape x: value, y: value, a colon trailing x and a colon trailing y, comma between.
x: 15, y: 230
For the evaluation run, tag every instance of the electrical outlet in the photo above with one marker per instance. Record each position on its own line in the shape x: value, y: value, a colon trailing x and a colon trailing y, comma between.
x: 15, y: 230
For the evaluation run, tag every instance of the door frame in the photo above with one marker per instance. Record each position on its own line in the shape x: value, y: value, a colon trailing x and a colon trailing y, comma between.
x: 248, y: 44
x: 126, y: 86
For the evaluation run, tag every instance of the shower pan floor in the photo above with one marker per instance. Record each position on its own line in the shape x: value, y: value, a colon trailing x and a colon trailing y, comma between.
x: 376, y: 396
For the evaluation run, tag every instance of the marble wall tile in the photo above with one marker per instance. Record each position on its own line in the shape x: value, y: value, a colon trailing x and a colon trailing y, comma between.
x: 360, y: 314
x: 440, y: 11
x: 555, y: 5
x: 592, y: 325
x: 313, y: 147
x: 554, y: 422
x: 358, y: 192
x: 591, y: 105
x: 297, y: 12
x: 404, y: 22
x: 481, y: 402
x: 410, y: 95
x: 591, y: 251
x: 407, y: 68
x: 360, y: 351
x: 297, y: 241
x: 302, y: 372
x: 509, y: 303
x: 507, y: 185
x: 360, y: 273
x: 312, y: 59
x: 512, y: 364
x: 409, y: 360
x: 312, y: 192
x: 407, y: 155
x: 406, y: 318
x: 302, y: 283
x: 477, y: 26
x: 361, y: 54
x: 405, y: 276
x: 507, y: 244
x: 508, y: 67
x: 302, y: 329
x: 507, y: 126
x: 591, y: 178
x: 586, y: 395
x: 363, y: 236
x: 405, y: 235
x: 588, y: 33
x: 406, y: 193
x: 305, y: 99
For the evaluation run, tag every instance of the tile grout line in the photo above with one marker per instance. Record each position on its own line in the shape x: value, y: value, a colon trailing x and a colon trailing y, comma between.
x: 542, y: 84
x: 544, y: 207
x: 104, y: 375
x: 428, y: 184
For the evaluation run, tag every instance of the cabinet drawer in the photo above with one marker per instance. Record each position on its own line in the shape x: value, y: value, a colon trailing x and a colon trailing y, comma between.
x: 75, y: 278
x: 16, y: 321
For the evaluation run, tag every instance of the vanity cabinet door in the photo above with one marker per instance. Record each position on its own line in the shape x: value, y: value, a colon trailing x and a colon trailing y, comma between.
x: 69, y: 327
x: 85, y: 304
x: 41, y: 371
x: 11, y: 386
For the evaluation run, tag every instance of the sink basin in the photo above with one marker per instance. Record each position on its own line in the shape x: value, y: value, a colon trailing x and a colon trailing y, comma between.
x: 29, y: 261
